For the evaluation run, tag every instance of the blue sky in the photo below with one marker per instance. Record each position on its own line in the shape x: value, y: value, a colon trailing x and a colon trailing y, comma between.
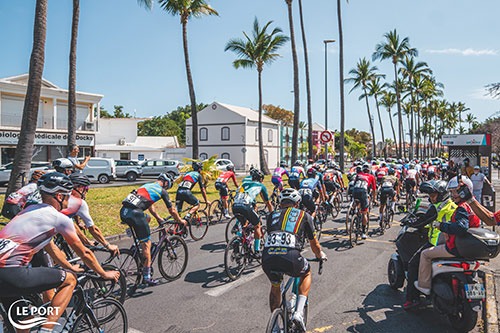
x: 134, y: 57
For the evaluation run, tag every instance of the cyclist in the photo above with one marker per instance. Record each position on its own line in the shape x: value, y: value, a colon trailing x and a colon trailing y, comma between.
x: 246, y: 206
x: 77, y: 206
x: 332, y: 179
x: 295, y: 175
x: 310, y: 190
x: 32, y: 231
x: 441, y: 209
x: 412, y: 179
x: 277, y: 178
x: 23, y: 197
x: 221, y: 185
x: 184, y: 190
x: 132, y: 214
x: 63, y: 165
x: 287, y: 228
x: 388, y: 189
x: 363, y: 182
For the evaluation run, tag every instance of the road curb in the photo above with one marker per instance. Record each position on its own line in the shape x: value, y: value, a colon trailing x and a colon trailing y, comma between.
x: 491, y: 313
x: 115, y: 238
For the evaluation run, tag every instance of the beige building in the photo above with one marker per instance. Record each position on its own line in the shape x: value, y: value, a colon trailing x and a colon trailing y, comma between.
x: 52, y: 123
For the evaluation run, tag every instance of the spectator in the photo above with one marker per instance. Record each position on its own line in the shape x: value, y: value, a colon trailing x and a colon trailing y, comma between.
x: 467, y: 169
x: 478, y: 179
x: 73, y: 157
x: 452, y: 170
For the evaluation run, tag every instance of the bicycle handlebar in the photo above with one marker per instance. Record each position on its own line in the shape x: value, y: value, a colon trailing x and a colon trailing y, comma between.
x: 320, y: 267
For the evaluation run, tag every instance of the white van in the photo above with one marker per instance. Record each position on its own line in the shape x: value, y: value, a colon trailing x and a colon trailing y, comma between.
x: 100, y: 169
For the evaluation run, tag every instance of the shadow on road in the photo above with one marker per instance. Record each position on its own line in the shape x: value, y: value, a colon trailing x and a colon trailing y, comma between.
x: 215, y: 276
x: 218, y: 247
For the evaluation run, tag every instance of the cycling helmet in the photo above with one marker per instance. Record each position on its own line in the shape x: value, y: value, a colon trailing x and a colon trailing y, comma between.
x: 55, y: 182
x: 36, y: 175
x: 454, y: 184
x: 290, y: 194
x: 79, y: 179
x: 400, y: 161
x: 167, y: 180
x: 230, y: 167
x: 298, y: 163
x: 391, y: 171
x: 62, y: 164
x: 412, y: 166
x: 311, y: 172
x: 197, y: 166
x: 359, y: 169
x: 257, y: 175
x: 366, y: 167
x: 283, y: 164
x: 383, y: 164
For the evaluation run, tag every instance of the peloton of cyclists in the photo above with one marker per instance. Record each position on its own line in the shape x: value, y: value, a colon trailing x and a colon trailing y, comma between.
x: 364, y: 182
x: 277, y: 177
x: 297, y: 173
x: 221, y: 185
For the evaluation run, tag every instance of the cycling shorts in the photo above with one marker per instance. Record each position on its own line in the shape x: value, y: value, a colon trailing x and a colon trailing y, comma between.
x: 410, y: 183
x: 222, y: 187
x: 331, y: 186
x: 137, y: 220
x: 386, y: 192
x: 185, y: 195
x: 277, y: 181
x: 294, y: 183
x: 276, y: 263
x: 24, y: 281
x: 361, y: 195
x: 309, y: 203
x: 247, y: 211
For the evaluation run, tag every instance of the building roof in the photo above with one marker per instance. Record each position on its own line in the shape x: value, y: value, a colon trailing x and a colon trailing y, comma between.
x: 248, y: 113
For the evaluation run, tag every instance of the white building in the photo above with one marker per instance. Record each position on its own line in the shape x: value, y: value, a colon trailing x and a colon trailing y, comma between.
x: 231, y: 132
x: 52, y: 124
x: 117, y: 138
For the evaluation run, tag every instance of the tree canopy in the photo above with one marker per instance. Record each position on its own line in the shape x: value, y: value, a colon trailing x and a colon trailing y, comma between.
x: 285, y: 117
x: 159, y: 126
x: 117, y: 113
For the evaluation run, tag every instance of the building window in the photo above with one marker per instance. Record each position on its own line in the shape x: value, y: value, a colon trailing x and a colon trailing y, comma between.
x: 270, y: 135
x: 225, y: 156
x: 225, y: 133
x: 124, y: 156
x: 257, y: 134
x: 203, y: 156
x: 203, y: 134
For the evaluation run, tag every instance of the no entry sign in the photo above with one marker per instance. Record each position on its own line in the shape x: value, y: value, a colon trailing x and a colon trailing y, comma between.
x: 325, y: 136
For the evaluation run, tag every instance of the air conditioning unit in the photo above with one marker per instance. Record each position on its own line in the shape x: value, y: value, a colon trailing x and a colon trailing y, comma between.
x: 121, y: 142
x: 89, y: 125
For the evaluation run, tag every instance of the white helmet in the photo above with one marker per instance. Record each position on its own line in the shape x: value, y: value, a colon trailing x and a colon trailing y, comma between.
x: 290, y: 194
x: 453, y: 183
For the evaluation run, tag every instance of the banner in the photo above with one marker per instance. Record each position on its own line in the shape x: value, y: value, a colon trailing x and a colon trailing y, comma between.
x: 466, y: 140
x: 49, y: 139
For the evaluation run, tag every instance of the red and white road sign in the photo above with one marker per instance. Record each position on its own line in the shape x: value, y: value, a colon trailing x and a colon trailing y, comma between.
x: 326, y: 136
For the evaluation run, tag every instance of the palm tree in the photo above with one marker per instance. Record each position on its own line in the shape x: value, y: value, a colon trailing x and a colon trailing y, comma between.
x: 471, y: 119
x: 341, y: 75
x: 72, y: 75
x: 388, y: 100
x: 186, y: 9
x: 395, y: 50
x: 24, y: 148
x: 360, y: 76
x: 256, y: 52
x: 296, y: 92
x: 461, y: 108
x: 308, y: 83
x: 375, y: 89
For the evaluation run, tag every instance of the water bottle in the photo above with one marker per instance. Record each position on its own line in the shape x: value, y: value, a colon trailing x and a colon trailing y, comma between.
x: 290, y: 304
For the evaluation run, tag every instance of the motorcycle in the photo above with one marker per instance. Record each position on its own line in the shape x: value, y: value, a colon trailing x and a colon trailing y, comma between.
x: 457, y: 289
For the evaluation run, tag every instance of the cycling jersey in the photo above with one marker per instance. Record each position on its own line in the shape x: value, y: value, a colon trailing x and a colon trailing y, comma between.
x: 16, y: 201
x: 311, y: 183
x: 146, y: 195
x: 411, y: 174
x: 389, y: 181
x: 78, y: 207
x: 31, y: 231
x: 279, y: 172
x: 296, y: 172
x: 225, y: 177
x: 364, y: 181
x: 286, y: 228
x: 248, y: 192
x: 190, y: 179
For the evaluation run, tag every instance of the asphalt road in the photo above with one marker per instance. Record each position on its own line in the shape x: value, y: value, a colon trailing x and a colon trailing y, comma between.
x: 352, y: 294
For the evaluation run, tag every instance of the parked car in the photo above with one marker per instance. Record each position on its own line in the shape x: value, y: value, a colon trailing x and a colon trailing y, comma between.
x: 157, y: 167
x: 128, y: 169
x: 221, y: 164
x: 100, y: 169
x: 6, y: 169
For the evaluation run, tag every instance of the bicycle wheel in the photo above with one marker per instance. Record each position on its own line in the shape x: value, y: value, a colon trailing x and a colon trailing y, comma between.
x: 198, y: 225
x: 234, y: 258
x: 233, y: 227
x: 337, y: 205
x: 129, y: 267
x: 110, y: 315
x: 390, y: 218
x: 215, y: 210
x: 108, y: 288
x: 353, y: 230
x: 277, y: 322
x: 173, y: 258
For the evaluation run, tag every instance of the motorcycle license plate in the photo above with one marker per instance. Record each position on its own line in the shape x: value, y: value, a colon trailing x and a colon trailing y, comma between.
x: 475, y: 291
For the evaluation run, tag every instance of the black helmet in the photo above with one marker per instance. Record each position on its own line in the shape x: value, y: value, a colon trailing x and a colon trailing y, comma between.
x: 55, y: 182
x: 391, y: 171
x: 230, y: 167
x: 283, y: 164
x: 62, y: 164
x: 257, y: 175
x: 298, y: 163
x: 435, y: 186
x: 167, y: 180
x: 197, y: 166
x: 359, y: 169
x: 79, y: 179
x: 311, y: 172
x: 366, y: 167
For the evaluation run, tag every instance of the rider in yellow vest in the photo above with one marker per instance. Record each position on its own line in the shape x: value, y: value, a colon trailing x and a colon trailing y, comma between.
x: 440, y: 210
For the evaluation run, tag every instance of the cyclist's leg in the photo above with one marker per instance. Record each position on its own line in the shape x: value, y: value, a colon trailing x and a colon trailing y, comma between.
x: 271, y: 265
x: 253, y: 217
x: 193, y: 201
x: 223, y: 192
x: 61, y: 299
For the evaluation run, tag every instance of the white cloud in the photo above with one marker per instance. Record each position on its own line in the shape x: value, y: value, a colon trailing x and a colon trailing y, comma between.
x: 464, y: 52
x: 481, y: 94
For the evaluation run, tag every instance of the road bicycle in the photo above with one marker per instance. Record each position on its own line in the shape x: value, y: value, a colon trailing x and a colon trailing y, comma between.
x: 410, y: 199
x: 281, y: 318
x: 355, y: 229
x: 320, y: 218
x: 275, y: 196
x: 336, y: 200
x: 216, y: 209
x: 234, y: 226
x: 171, y: 251
x: 198, y: 223
x: 388, y: 216
x: 240, y: 250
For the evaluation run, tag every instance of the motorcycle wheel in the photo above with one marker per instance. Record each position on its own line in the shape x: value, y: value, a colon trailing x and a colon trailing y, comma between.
x: 395, y: 274
x: 465, y: 320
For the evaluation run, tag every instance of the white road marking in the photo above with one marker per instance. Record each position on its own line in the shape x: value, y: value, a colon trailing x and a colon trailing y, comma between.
x: 218, y: 291
x: 133, y: 330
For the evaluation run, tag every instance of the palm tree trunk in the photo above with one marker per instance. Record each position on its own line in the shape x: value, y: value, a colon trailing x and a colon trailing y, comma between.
x: 72, y: 75
x: 192, y: 96
x: 341, y: 74
x: 262, y: 156
x: 412, y: 126
x: 371, y: 123
x: 392, y: 127
x: 25, y: 145
x: 308, y: 83
x: 381, y: 126
x: 296, y: 95
x: 400, y: 116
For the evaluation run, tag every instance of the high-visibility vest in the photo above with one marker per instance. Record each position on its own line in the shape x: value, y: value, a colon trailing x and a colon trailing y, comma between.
x: 445, y: 212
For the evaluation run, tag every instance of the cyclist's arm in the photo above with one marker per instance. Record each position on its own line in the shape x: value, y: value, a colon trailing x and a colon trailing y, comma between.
x: 233, y: 177
x: 59, y: 257
x: 265, y: 198
x: 153, y: 212
x: 202, y: 189
x: 313, y: 241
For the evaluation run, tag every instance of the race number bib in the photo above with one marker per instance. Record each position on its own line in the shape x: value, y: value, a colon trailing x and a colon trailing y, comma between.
x: 133, y: 199
x: 186, y: 184
x: 294, y: 175
x: 280, y: 239
x: 7, y: 245
x: 305, y: 191
x: 361, y: 184
x: 387, y: 184
x: 242, y: 198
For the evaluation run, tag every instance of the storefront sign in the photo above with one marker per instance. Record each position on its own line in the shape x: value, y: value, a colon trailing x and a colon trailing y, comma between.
x: 467, y: 140
x: 49, y: 139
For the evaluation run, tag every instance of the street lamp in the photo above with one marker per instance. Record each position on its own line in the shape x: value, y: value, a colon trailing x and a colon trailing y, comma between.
x: 326, y: 41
